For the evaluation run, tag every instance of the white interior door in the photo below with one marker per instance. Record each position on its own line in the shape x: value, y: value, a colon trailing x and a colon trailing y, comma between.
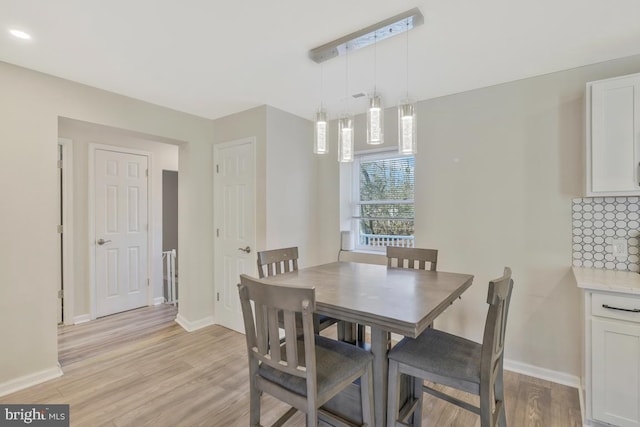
x: 121, y: 231
x: 234, y: 206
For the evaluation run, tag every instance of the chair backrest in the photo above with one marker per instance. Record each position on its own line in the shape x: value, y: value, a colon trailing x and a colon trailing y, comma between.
x: 414, y: 257
x: 277, y: 261
x: 498, y: 298
x: 264, y: 345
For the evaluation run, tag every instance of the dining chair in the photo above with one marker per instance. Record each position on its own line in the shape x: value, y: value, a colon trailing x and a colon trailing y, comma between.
x: 278, y: 261
x: 414, y: 257
x: 456, y: 362
x: 303, y: 371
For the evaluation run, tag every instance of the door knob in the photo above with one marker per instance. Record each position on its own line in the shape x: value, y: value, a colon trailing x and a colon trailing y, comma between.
x: 246, y: 250
x: 102, y: 241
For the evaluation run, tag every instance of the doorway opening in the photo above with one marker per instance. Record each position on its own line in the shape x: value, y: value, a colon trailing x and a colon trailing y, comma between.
x: 170, y: 235
x: 76, y: 263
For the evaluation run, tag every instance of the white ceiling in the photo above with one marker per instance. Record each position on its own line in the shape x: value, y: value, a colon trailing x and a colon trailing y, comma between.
x: 214, y: 58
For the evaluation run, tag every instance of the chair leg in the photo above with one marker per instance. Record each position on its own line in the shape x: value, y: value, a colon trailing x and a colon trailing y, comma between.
x: 254, y: 408
x: 312, y: 408
x: 393, y: 397
x: 312, y: 418
x: 419, y: 395
x: 499, y: 394
x: 486, y: 393
x: 366, y: 397
x: 502, y: 416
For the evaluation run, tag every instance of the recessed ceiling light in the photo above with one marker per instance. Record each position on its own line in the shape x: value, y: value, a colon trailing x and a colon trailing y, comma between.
x: 19, y: 34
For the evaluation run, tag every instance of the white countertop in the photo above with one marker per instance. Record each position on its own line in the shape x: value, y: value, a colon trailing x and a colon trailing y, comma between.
x: 607, y: 280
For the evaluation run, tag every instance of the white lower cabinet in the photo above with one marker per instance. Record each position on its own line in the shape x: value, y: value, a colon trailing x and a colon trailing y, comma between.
x: 612, y: 346
x: 613, y: 353
x: 615, y: 369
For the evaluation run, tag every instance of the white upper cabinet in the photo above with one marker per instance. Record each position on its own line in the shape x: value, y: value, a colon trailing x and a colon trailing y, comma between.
x: 613, y: 136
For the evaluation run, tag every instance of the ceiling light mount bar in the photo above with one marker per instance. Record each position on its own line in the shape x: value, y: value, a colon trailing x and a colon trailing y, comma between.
x: 367, y: 36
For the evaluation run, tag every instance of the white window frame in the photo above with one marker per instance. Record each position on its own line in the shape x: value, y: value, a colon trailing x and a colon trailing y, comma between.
x: 355, y: 193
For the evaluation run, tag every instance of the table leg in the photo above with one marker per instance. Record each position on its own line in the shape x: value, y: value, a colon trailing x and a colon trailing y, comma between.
x: 380, y: 347
x: 347, y: 331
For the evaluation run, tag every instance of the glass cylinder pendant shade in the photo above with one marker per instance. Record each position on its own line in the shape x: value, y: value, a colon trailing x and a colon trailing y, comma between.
x: 375, y: 120
x: 320, y: 145
x: 345, y: 139
x: 407, y: 128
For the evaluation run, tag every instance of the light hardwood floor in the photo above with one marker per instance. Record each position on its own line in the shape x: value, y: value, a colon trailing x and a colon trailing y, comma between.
x: 140, y: 368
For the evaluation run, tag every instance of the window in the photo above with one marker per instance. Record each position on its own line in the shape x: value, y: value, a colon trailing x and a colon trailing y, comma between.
x: 383, y: 213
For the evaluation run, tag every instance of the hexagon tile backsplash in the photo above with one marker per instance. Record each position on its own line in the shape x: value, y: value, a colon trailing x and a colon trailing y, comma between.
x: 597, y: 222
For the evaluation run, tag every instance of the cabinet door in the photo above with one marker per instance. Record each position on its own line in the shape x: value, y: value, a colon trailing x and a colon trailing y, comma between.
x: 614, y: 147
x: 616, y: 372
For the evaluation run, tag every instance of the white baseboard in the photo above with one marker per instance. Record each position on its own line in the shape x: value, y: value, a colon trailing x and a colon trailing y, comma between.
x: 583, y: 406
x: 158, y: 300
x: 192, y: 326
x: 543, y: 373
x: 29, y: 380
x: 81, y: 319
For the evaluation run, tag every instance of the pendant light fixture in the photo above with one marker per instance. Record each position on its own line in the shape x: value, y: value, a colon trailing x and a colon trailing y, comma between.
x: 320, y: 145
x: 375, y: 118
x: 345, y: 122
x: 407, y: 124
x: 345, y: 138
x: 372, y: 34
x: 407, y: 135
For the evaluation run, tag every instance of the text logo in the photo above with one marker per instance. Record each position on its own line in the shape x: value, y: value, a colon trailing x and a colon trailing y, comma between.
x: 34, y: 415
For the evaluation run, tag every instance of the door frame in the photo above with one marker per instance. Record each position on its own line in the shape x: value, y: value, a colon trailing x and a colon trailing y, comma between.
x: 91, y: 220
x: 217, y: 197
x: 68, y: 276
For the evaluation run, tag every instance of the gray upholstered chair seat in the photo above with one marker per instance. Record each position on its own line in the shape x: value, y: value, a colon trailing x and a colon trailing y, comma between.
x: 335, y: 360
x: 444, y: 355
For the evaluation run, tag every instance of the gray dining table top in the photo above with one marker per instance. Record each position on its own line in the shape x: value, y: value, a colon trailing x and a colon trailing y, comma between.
x: 397, y: 300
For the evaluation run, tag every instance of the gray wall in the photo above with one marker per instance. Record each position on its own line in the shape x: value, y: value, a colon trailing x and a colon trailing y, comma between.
x: 496, y: 171
x: 30, y: 106
x: 250, y: 123
x: 507, y: 201
x: 286, y: 209
x: 292, y: 205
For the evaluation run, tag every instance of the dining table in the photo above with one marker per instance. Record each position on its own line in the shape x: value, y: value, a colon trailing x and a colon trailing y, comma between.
x: 389, y: 300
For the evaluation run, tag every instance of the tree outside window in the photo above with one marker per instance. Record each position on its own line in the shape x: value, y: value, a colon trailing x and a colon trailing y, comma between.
x: 386, y: 201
